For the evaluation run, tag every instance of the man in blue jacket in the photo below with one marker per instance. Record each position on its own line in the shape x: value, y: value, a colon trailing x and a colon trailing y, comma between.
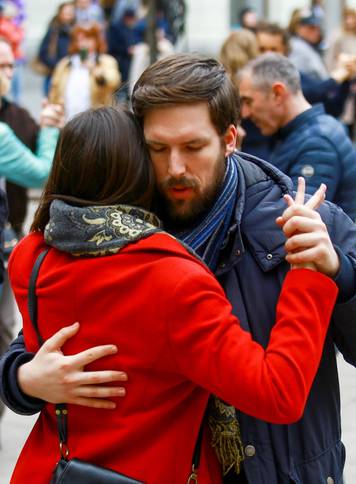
x: 189, y: 110
x: 309, y: 143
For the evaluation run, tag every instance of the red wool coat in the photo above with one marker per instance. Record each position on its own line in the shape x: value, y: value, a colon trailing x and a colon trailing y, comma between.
x: 178, y: 343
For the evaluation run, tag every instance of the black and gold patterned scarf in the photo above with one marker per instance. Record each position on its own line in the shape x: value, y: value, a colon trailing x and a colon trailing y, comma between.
x: 97, y: 230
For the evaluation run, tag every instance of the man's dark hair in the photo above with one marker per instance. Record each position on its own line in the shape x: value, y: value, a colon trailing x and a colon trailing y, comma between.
x: 188, y: 79
x: 100, y: 159
x: 275, y: 29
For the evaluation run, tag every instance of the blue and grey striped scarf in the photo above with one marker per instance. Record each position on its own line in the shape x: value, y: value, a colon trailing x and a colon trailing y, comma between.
x: 208, y: 237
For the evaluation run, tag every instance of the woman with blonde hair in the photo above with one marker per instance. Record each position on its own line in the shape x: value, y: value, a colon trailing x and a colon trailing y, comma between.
x: 238, y: 49
x: 342, y: 49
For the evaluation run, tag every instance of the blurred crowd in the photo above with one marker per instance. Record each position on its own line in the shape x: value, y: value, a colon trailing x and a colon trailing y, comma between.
x: 326, y: 63
x: 103, y: 46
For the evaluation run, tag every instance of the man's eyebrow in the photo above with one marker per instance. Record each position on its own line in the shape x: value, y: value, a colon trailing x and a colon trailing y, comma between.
x: 153, y: 142
x: 185, y: 142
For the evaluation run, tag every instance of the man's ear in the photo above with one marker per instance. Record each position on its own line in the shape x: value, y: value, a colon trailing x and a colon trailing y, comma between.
x: 279, y: 91
x: 230, y: 138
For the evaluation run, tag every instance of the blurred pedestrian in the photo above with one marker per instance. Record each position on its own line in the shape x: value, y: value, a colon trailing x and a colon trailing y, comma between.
x: 122, y: 5
x: 247, y: 19
x: 87, y: 12
x: 306, y: 36
x: 121, y: 38
x: 332, y: 92
x: 237, y: 50
x: 342, y: 47
x: 14, y: 34
x: 309, y: 143
x: 55, y: 43
x: 87, y: 77
x: 141, y: 50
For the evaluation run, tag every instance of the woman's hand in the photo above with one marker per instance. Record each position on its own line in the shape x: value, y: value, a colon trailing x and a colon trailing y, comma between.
x: 308, y: 243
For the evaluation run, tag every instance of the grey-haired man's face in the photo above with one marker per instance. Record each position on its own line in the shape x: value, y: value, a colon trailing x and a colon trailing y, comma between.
x: 260, y: 106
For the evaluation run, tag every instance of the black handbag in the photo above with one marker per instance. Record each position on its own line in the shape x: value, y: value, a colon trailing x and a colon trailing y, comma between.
x: 76, y: 471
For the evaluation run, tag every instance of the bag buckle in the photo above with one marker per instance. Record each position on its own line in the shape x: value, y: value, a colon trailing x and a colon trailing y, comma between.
x: 63, y: 449
x: 193, y: 476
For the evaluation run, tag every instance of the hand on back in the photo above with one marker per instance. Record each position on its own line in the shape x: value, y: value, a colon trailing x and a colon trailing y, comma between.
x: 53, y: 377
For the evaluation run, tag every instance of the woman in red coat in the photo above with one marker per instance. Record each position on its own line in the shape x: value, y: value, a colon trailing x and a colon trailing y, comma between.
x: 112, y: 268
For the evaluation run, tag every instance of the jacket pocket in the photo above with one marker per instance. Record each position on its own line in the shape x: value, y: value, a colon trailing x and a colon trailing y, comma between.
x: 326, y: 468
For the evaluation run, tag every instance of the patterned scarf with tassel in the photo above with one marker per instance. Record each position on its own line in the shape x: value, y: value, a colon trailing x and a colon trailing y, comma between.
x: 207, y: 239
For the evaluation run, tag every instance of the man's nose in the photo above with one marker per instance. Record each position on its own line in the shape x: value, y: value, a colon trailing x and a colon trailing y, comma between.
x: 176, y: 165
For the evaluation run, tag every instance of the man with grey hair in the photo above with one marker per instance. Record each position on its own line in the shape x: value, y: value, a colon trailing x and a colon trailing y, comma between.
x: 309, y: 143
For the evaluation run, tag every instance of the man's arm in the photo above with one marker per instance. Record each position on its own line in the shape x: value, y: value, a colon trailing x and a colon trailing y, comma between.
x: 27, y: 380
x: 331, y: 245
x: 318, y: 162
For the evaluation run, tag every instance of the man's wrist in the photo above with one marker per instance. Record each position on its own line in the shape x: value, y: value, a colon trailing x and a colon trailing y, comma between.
x: 345, y: 278
x: 24, y: 379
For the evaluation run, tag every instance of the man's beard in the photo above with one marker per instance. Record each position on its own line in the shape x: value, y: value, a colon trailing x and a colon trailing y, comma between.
x: 171, y: 213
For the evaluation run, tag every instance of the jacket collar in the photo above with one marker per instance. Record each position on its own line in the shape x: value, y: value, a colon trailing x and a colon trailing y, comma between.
x: 299, y: 120
x: 259, y: 202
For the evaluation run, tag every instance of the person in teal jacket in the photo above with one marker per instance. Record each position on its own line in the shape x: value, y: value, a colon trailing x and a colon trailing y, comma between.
x: 18, y: 163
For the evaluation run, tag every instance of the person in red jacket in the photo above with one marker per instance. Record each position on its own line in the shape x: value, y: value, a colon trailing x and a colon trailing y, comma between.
x: 112, y: 268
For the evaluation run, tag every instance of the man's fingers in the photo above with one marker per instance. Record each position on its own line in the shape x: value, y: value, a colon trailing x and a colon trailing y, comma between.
x: 307, y: 255
x: 93, y: 354
x: 56, y: 341
x: 299, y: 210
x: 318, y: 198
x: 302, y: 241
x: 299, y: 197
x: 301, y: 224
x: 289, y: 200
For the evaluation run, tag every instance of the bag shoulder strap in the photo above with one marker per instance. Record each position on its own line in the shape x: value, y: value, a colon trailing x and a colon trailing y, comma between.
x: 32, y: 299
x: 61, y: 410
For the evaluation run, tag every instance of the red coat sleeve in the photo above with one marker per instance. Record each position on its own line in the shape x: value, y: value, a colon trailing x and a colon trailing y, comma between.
x: 211, y: 349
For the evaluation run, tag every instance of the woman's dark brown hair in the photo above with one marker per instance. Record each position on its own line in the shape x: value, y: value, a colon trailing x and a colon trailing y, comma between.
x: 100, y: 159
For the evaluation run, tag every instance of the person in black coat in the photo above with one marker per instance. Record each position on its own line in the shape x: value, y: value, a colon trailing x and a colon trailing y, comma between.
x: 120, y: 38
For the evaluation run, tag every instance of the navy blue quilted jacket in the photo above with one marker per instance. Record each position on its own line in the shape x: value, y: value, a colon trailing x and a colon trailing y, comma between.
x: 251, y: 270
x: 316, y: 146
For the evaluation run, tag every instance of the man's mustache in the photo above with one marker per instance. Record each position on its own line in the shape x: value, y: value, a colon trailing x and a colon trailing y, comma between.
x: 181, y: 182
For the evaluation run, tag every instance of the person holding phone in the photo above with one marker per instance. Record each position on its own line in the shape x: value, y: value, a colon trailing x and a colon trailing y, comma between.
x: 87, y: 77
